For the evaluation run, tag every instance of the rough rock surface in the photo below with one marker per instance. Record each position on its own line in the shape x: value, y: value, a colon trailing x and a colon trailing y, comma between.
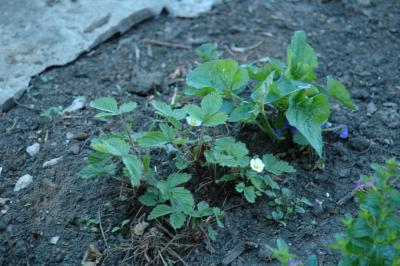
x: 35, y: 35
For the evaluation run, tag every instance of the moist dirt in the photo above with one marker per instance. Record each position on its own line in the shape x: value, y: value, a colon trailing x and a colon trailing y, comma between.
x: 356, y: 43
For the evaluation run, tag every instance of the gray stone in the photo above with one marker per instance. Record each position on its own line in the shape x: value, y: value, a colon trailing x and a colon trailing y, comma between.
x: 23, y: 182
x: 52, y: 162
x: 35, y: 35
x: 146, y: 83
x: 76, y: 105
x: 33, y: 149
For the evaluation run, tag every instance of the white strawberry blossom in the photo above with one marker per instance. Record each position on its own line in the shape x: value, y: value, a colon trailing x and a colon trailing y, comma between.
x: 257, y: 165
x: 193, y: 121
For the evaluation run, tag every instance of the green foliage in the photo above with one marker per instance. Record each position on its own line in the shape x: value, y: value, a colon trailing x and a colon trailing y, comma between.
x: 291, y: 92
x: 224, y: 76
x: 269, y: 96
x: 286, y: 258
x: 208, y: 112
x: 109, y: 107
x: 276, y: 166
x: 208, y: 51
x: 373, y: 236
x: 120, y: 226
x: 228, y: 152
x: 50, y: 112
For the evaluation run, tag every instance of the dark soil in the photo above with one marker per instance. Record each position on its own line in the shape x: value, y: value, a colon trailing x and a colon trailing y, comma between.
x: 357, y: 44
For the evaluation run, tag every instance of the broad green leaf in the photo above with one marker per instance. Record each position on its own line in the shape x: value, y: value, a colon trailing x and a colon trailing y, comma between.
x: 149, y: 198
x: 195, y: 111
x: 282, y: 246
x: 203, y: 210
x: 240, y: 187
x: 160, y: 210
x: 127, y: 107
x: 182, y: 200
x: 301, y: 58
x: 152, y: 139
x: 228, y: 152
x: 177, y: 219
x: 97, y: 169
x: 169, y: 132
x: 114, y: 146
x: 176, y: 179
x: 250, y: 194
x: 261, y: 73
x: 261, y: 91
x: 216, y: 120
x: 182, y: 163
x: 307, y: 114
x: 276, y: 166
x: 135, y: 169
x: 166, y: 110
x: 222, y: 75
x: 337, y: 90
x: 208, y: 51
x: 298, y: 138
x: 219, y: 215
x: 106, y: 104
x: 283, y: 87
x: 246, y: 112
x: 211, y: 104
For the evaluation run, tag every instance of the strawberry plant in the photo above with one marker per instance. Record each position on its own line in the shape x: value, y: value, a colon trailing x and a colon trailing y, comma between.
x: 283, y: 97
x: 284, y: 100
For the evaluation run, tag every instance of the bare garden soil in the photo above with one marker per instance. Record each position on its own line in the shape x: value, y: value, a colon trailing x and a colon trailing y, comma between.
x: 357, y: 43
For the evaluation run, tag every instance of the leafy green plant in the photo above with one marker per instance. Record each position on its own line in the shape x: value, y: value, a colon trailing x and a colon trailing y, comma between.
x: 285, y: 204
x: 120, y: 226
x: 286, y: 258
x: 208, y: 51
x: 91, y: 224
x: 373, y: 236
x: 51, y: 112
x: 283, y: 94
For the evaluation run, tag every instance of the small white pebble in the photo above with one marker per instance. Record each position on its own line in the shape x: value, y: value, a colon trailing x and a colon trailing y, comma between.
x: 319, y: 202
x: 54, y: 240
x: 327, y: 194
x: 52, y: 162
x: 33, y: 149
x: 23, y: 182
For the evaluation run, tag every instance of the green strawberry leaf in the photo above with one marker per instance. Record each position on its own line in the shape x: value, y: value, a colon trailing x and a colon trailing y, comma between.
x: 160, y: 210
x: 113, y: 146
x: 135, y: 169
x: 228, y: 152
x: 224, y: 76
x: 177, y: 220
x: 276, y: 166
x: 208, y: 51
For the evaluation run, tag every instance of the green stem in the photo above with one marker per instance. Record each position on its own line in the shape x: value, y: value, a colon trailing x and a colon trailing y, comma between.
x: 267, y: 126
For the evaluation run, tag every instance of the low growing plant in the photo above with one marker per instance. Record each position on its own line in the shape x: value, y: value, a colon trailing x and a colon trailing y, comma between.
x: 285, y: 100
x: 373, y: 236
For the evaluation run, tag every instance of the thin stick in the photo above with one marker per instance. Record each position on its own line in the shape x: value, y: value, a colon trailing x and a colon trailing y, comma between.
x: 173, y: 99
x: 244, y: 49
x: 101, y: 229
x: 166, y: 44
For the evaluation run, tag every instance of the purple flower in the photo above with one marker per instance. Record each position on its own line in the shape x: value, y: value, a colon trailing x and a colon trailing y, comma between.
x: 291, y: 128
x: 296, y: 262
x: 278, y: 132
x: 341, y: 132
x: 364, y: 185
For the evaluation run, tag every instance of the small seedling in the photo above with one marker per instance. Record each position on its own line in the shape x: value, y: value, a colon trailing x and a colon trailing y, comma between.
x: 91, y: 224
x: 120, y: 226
x: 51, y: 112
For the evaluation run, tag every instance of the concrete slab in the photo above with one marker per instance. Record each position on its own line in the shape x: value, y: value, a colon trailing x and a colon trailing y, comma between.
x: 35, y: 35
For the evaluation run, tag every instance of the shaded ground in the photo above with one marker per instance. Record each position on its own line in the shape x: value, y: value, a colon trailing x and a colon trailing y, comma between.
x: 357, y: 44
